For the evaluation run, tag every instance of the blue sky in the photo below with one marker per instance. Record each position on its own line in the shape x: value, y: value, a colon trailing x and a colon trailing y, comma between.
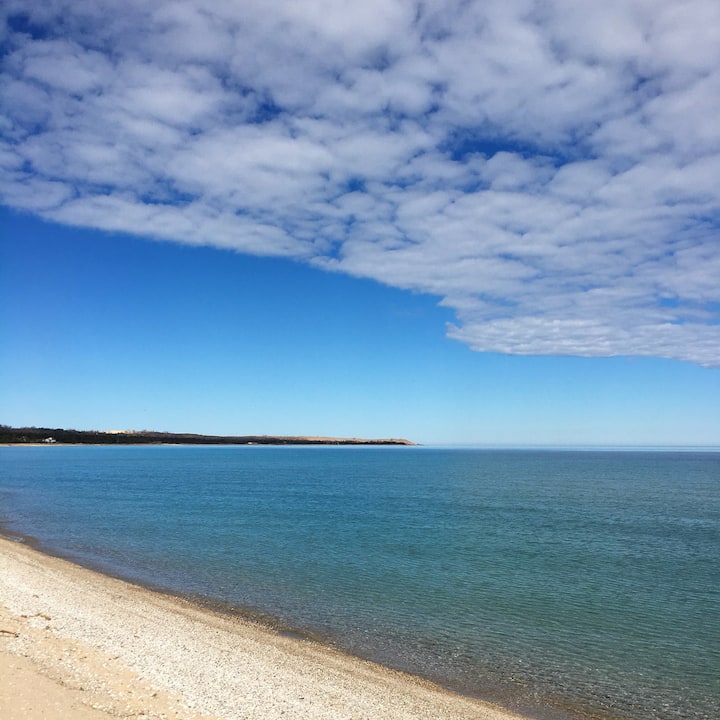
x: 109, y: 331
x: 469, y: 222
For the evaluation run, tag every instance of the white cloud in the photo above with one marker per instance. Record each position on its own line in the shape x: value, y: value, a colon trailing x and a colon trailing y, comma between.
x: 549, y: 170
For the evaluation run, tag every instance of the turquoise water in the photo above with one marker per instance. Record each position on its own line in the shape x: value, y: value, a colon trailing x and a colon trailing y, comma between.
x: 563, y: 584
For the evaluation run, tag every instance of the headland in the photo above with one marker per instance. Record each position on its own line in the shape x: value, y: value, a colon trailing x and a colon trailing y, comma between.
x: 53, y: 436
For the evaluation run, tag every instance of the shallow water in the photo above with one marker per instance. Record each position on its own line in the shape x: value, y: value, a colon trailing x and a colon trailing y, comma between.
x: 558, y: 583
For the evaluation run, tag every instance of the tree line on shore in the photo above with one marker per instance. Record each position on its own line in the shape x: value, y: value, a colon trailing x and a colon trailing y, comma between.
x: 32, y: 435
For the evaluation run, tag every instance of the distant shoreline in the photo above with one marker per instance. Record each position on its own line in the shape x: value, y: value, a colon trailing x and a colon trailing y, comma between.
x: 10, y: 436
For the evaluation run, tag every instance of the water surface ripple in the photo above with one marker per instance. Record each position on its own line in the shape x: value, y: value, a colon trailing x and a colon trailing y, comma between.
x: 558, y: 583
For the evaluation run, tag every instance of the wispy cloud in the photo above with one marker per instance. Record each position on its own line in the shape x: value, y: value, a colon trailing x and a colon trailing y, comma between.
x: 550, y: 170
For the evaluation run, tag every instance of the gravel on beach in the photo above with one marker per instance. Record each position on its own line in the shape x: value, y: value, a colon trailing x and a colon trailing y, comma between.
x: 76, y: 643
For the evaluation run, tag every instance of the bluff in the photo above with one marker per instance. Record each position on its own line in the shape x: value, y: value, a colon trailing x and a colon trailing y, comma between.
x: 26, y: 435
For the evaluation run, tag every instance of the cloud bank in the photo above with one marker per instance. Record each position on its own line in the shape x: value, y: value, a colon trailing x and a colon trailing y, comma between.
x: 550, y: 170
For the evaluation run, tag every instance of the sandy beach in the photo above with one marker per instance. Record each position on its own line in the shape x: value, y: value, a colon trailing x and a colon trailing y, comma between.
x: 75, y: 643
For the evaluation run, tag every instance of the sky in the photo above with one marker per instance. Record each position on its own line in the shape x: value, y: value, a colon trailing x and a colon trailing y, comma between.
x: 456, y: 222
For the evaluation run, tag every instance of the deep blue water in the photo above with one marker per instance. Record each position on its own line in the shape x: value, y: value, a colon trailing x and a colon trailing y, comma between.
x: 558, y: 583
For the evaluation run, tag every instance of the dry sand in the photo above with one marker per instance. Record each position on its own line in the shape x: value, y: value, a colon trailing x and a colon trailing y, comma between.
x: 77, y: 644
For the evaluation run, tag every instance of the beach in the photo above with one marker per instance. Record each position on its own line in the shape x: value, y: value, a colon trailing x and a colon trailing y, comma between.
x: 76, y: 643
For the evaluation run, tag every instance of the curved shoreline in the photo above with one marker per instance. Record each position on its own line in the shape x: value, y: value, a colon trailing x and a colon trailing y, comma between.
x: 108, y: 642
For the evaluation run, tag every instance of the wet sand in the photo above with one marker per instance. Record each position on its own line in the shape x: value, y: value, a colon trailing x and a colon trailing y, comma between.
x: 76, y: 643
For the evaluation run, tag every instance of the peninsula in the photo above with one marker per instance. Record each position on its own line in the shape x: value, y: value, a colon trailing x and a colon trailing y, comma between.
x: 51, y: 436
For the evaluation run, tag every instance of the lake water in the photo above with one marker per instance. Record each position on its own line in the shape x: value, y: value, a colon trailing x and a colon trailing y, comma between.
x: 563, y: 584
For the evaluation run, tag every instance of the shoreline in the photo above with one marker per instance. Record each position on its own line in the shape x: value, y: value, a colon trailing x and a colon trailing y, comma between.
x: 63, y: 436
x: 369, y: 444
x: 112, y: 647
